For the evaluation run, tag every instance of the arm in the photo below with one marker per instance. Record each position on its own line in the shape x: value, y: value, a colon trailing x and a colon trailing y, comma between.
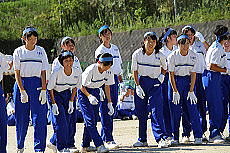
x: 120, y: 78
x: 193, y: 80
x: 206, y: 45
x: 216, y: 68
x: 19, y: 80
x: 52, y: 96
x: 135, y: 76
x: 107, y: 93
x: 122, y: 98
x: 172, y: 81
x: 163, y: 71
x: 83, y: 89
x: 74, y: 90
x: 43, y: 78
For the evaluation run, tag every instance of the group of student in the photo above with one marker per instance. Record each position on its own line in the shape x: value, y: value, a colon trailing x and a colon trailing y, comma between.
x: 174, y: 77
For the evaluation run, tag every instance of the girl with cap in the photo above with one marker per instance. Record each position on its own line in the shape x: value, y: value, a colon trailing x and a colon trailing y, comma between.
x: 168, y: 38
x: 150, y: 65
x: 105, y: 35
x: 93, y: 78
x: 67, y: 44
x: 62, y: 87
x: 30, y: 65
x: 215, y: 64
x: 182, y: 66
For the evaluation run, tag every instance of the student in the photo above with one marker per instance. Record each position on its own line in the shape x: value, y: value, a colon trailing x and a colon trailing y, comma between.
x: 30, y: 65
x: 93, y: 78
x: 10, y: 107
x: 105, y: 35
x: 150, y: 65
x: 182, y: 66
x: 62, y: 86
x: 216, y: 63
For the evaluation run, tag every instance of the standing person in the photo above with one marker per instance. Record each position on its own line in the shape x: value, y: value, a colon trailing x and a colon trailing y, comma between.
x: 168, y: 38
x: 62, y: 86
x: 67, y: 44
x: 182, y: 65
x: 216, y: 63
x: 30, y: 65
x: 105, y: 35
x: 93, y: 78
x: 150, y: 65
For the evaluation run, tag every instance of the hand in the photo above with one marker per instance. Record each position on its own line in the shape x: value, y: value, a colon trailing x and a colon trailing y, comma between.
x: 140, y: 92
x: 55, y: 109
x: 102, y: 94
x: 24, y: 96
x: 192, y: 97
x: 42, y: 97
x: 71, y: 108
x: 93, y: 100
x: 161, y: 78
x: 111, y: 109
x: 176, y: 98
x: 200, y: 36
x: 228, y: 71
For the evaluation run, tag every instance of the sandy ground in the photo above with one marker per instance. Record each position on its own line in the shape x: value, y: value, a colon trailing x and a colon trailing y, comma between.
x: 125, y: 134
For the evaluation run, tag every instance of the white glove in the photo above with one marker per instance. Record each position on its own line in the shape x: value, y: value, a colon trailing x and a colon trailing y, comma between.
x: 102, y: 94
x: 42, y: 97
x: 176, y: 98
x: 140, y: 92
x: 111, y: 109
x: 161, y: 78
x: 55, y: 109
x: 192, y: 97
x: 24, y: 96
x: 71, y: 108
x: 200, y: 36
x: 93, y: 100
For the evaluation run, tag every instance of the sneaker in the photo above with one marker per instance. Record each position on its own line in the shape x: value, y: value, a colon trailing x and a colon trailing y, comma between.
x: 140, y: 144
x: 134, y: 117
x: 185, y: 140
x: 52, y: 147
x: 169, y: 140
x: 125, y: 118
x: 198, y: 141
x: 20, y: 150
x: 111, y: 145
x: 204, y: 139
x: 102, y: 149
x: 73, y: 150
x: 64, y: 151
x: 227, y: 138
x: 163, y: 144
x: 217, y: 139
x: 88, y: 149
x: 174, y: 142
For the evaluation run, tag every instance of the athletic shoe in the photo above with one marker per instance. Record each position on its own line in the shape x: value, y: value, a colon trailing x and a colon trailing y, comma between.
x: 73, y: 150
x: 163, y: 144
x: 204, y: 139
x: 111, y: 145
x: 102, y: 149
x: 20, y: 150
x: 217, y: 139
x: 227, y: 138
x: 169, y: 140
x: 198, y: 141
x: 174, y: 142
x: 52, y: 147
x: 140, y: 144
x: 185, y: 140
x: 64, y: 151
x: 88, y: 149
x: 134, y: 117
x: 125, y: 118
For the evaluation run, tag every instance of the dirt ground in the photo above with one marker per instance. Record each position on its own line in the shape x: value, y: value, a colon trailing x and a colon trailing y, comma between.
x: 125, y: 134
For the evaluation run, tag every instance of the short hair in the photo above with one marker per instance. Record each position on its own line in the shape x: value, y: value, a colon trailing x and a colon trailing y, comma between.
x: 100, y: 57
x: 64, y: 55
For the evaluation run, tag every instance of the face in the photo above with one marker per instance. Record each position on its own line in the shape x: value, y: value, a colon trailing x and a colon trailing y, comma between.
x: 31, y: 41
x: 150, y: 44
x: 129, y: 92
x: 184, y: 47
x: 227, y: 46
x: 106, y: 35
x: 172, y: 39
x: 69, y: 46
x: 191, y: 36
x: 104, y: 68
x: 68, y: 62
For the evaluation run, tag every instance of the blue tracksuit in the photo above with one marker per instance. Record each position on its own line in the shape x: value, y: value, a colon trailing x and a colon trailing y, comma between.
x: 3, y: 123
x: 38, y: 113
x: 153, y: 96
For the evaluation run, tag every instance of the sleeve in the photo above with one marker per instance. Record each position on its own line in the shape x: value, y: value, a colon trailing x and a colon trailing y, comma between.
x: 215, y: 56
x: 78, y: 64
x: 134, y: 62
x: 87, y: 76
x: 119, y: 56
x: 171, y: 63
x: 110, y: 80
x: 45, y: 63
x: 79, y: 82
x: 163, y: 62
x: 98, y: 51
x: 196, y: 65
x: 55, y: 65
x: 52, y: 80
x: 16, y: 60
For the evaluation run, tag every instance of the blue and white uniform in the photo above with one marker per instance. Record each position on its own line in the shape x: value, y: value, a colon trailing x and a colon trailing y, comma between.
x: 149, y: 68
x: 30, y: 63
x: 212, y: 84
x: 126, y: 108
x: 62, y: 86
x: 182, y: 66
x: 11, y: 113
x: 106, y: 119
x: 92, y: 80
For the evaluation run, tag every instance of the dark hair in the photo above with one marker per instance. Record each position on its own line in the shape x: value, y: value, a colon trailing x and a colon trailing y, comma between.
x: 157, y: 47
x: 68, y: 41
x: 102, y: 33
x: 187, y: 29
x: 64, y: 55
x: 29, y: 34
x: 105, y: 63
x: 220, y: 31
x: 173, y: 32
x: 183, y: 40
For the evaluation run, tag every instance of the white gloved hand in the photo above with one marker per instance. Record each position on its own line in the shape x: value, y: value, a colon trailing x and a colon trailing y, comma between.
x: 161, y: 78
x: 200, y: 36
x: 55, y: 109
x: 176, y: 98
x: 192, y: 97
x: 93, y: 100
x: 71, y: 108
x: 111, y: 109
x: 102, y: 94
x: 24, y: 96
x: 42, y: 97
x: 140, y: 92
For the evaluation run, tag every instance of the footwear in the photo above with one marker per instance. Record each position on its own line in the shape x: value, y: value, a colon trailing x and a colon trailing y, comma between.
x: 169, y: 140
x: 73, y: 150
x: 163, y: 144
x: 52, y: 147
x: 20, y: 150
x: 64, y: 151
x: 102, y: 149
x: 204, y: 139
x: 134, y: 117
x: 140, y: 144
x: 198, y: 141
x: 217, y: 139
x: 125, y: 118
x: 111, y: 145
x: 227, y: 138
x: 88, y: 149
x: 174, y: 142
x: 185, y: 140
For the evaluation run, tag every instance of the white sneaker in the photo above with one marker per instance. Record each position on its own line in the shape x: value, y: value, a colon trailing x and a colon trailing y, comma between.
x: 73, y: 150
x: 217, y: 139
x: 185, y: 140
x: 134, y: 117
x: 20, y: 150
x: 169, y: 140
x: 227, y: 138
x: 64, y: 151
x: 111, y: 145
x: 52, y: 147
x: 102, y: 149
x: 162, y: 144
x: 198, y: 141
x: 174, y: 142
x: 88, y: 149
x: 140, y: 144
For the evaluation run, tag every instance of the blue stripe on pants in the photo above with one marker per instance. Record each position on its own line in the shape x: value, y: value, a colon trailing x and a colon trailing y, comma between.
x: 212, y: 84
x: 3, y: 122
x: 38, y: 113
x: 153, y: 96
